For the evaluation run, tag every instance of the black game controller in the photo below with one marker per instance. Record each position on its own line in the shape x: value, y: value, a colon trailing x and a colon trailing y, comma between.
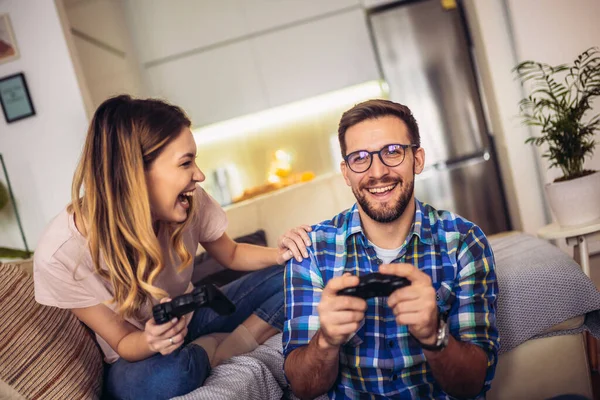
x: 207, y: 295
x: 375, y: 285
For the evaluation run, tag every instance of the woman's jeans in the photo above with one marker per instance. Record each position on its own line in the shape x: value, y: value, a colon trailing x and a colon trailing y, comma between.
x: 185, y: 369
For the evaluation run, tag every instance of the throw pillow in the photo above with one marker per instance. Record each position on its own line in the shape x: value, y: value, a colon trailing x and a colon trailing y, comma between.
x: 209, y: 270
x: 45, y: 352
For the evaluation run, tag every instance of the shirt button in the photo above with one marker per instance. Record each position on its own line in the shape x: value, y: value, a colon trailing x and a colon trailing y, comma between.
x: 391, y: 343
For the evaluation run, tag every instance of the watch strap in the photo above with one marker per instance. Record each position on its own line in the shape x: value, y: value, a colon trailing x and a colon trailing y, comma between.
x: 441, y: 337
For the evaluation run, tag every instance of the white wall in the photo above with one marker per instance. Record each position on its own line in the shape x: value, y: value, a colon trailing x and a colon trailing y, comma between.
x: 41, y: 152
x: 494, y: 54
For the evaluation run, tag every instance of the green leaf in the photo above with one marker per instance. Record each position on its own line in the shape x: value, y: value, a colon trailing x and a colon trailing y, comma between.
x: 558, y: 102
x: 6, y: 252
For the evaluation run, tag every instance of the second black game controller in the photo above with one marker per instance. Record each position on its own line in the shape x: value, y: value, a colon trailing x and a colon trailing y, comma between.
x: 375, y: 285
x: 207, y: 295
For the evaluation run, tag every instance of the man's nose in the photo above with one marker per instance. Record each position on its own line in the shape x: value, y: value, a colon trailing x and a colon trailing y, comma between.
x: 378, y: 168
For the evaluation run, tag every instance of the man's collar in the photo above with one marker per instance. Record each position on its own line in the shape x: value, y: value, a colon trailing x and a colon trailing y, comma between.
x: 421, y: 223
x: 420, y: 226
x: 353, y: 224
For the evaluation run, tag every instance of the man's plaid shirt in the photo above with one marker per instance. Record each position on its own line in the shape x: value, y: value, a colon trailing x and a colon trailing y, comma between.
x: 382, y: 359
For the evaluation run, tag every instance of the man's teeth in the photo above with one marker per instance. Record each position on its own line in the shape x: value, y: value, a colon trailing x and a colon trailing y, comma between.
x: 381, y: 190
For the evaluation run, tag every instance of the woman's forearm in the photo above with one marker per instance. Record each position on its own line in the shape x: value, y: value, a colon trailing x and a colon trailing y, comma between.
x: 134, y: 347
x: 241, y: 256
x: 123, y: 337
x: 249, y: 257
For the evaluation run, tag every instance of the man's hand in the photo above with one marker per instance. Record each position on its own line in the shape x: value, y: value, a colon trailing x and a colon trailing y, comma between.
x: 339, y: 315
x: 414, y: 305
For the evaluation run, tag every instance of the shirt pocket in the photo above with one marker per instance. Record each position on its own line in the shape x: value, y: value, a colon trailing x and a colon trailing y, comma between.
x: 349, y: 350
x: 356, y: 338
x: 444, y: 296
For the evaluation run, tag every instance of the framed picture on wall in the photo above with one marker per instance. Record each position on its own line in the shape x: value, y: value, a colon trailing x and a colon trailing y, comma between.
x: 15, y: 99
x: 8, y: 45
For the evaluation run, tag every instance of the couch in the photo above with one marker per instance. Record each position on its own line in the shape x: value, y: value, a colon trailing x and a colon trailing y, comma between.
x: 549, y: 363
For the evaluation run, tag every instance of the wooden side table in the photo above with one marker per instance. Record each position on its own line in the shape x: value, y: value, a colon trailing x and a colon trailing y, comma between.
x: 578, y: 235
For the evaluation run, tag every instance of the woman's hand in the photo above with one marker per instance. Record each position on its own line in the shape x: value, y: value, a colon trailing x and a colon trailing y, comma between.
x: 165, y: 338
x: 293, y: 243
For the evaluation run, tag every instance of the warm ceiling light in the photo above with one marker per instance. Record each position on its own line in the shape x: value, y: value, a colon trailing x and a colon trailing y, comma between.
x: 289, y: 113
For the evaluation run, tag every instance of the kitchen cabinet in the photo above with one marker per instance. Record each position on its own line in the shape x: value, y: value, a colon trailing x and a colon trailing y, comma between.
x: 260, y: 71
x: 164, y: 29
x: 267, y: 14
x: 211, y: 86
x: 315, y: 57
x: 104, y: 49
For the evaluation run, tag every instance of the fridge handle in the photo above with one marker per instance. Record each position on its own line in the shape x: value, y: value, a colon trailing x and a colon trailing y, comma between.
x: 461, y: 162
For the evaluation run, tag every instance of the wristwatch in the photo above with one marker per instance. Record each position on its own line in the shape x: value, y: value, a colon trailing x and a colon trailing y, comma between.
x: 443, y: 334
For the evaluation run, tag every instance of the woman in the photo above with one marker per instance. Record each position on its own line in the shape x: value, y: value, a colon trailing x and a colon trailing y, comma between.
x: 128, y: 239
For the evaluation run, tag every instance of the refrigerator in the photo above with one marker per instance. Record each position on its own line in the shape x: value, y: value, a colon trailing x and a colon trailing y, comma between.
x: 424, y: 54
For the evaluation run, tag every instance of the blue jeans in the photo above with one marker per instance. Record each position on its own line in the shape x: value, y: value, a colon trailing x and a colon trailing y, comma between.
x: 184, y: 370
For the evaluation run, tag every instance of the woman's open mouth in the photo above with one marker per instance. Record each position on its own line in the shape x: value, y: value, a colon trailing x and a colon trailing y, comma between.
x: 184, y: 199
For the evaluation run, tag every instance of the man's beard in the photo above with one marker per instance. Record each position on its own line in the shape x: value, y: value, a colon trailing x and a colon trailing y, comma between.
x: 389, y: 212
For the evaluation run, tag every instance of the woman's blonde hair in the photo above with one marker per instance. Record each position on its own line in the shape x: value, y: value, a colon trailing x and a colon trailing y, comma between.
x: 110, y: 197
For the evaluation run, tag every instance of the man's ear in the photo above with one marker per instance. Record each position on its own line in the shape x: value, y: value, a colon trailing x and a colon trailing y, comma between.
x: 344, y: 169
x: 419, y: 160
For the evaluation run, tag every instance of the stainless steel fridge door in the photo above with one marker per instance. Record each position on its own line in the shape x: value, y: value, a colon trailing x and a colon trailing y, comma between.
x: 468, y: 188
x: 424, y: 56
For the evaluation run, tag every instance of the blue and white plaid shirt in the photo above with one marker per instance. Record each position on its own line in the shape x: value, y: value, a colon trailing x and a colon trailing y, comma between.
x: 382, y: 359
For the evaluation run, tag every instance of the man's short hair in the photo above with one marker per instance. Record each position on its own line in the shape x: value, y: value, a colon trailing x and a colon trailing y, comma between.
x: 373, y: 109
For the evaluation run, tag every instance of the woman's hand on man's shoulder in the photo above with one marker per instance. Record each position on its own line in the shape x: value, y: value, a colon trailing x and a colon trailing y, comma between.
x: 293, y: 243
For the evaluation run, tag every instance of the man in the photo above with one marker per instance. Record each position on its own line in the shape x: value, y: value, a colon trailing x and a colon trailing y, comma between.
x: 436, y: 338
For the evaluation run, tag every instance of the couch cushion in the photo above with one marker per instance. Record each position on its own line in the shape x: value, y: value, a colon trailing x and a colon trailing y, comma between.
x: 25, y: 265
x: 543, y: 368
x: 6, y: 392
x: 567, y: 325
x: 45, y: 352
x: 540, y: 287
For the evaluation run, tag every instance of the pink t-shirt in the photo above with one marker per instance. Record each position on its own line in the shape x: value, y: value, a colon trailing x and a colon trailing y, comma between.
x: 63, y: 271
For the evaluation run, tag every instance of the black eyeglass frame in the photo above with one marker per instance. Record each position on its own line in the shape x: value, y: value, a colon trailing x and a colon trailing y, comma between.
x: 378, y: 152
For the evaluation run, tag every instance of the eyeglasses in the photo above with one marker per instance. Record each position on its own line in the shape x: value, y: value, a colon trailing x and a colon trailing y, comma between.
x: 390, y: 155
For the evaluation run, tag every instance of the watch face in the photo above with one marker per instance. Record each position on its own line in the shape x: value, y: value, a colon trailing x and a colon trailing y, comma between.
x: 443, y: 334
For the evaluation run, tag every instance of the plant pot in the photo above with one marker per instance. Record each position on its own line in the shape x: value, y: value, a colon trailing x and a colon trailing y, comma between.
x: 575, y: 202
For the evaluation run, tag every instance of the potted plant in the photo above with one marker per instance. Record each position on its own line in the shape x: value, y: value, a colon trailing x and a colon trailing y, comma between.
x: 558, y: 105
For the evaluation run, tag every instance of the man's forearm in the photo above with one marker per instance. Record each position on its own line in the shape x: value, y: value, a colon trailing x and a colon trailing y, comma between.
x: 459, y: 369
x: 313, y: 369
